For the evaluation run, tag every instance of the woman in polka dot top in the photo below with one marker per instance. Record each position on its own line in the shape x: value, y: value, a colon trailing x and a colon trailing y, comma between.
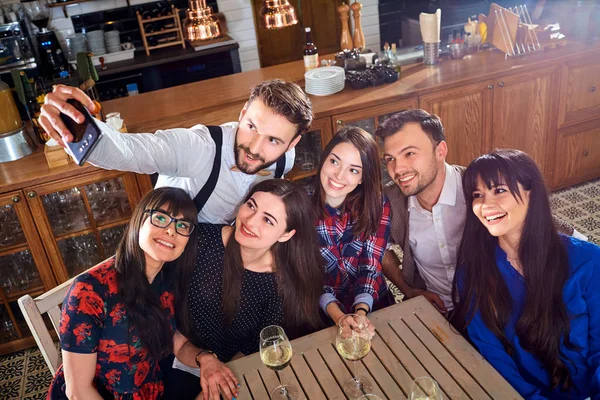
x: 263, y: 270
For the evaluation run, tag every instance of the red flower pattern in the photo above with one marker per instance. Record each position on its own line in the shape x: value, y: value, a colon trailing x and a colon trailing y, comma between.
x: 92, y: 321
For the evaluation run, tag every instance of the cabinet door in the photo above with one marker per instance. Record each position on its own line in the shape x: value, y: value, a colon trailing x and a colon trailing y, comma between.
x: 525, y: 106
x: 466, y: 113
x: 577, y: 154
x: 370, y: 118
x: 308, y: 150
x: 24, y: 268
x: 81, y: 220
x: 579, y: 91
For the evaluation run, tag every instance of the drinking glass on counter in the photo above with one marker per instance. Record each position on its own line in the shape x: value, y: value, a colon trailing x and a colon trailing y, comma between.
x: 276, y: 354
x: 353, y: 342
x: 425, y: 388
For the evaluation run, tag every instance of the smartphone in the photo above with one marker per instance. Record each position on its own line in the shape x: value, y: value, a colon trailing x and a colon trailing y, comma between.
x: 85, y: 135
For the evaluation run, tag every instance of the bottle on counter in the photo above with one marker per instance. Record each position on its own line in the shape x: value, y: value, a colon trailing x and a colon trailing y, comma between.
x: 311, y: 53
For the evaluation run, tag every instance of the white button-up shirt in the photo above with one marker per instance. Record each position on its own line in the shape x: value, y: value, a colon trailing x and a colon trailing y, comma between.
x: 434, y: 236
x: 184, y: 159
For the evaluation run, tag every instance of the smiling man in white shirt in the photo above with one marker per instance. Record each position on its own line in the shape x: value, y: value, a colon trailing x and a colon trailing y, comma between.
x: 259, y: 146
x: 428, y: 206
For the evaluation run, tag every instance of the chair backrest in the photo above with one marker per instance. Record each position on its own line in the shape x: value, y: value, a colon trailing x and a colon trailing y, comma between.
x: 33, y: 309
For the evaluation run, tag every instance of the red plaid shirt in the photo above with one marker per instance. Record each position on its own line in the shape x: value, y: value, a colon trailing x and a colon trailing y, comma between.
x: 353, y: 264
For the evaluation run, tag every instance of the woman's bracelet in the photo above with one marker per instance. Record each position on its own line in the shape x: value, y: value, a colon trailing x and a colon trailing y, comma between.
x: 361, y: 308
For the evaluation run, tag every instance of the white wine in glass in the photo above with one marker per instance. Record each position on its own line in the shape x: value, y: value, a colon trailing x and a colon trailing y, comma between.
x: 353, y: 342
x: 276, y: 354
x: 425, y: 388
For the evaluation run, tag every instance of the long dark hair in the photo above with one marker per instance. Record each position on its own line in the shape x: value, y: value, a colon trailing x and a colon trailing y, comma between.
x: 298, y: 270
x: 542, y: 254
x: 142, y: 304
x: 364, y: 203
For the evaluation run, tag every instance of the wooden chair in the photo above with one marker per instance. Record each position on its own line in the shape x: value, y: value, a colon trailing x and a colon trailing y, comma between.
x: 33, y: 309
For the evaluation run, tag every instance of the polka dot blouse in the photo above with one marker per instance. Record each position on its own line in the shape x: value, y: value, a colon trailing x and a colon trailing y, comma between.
x: 259, y: 303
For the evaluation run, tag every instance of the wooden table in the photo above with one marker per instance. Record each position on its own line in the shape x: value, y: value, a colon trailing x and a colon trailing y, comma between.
x: 412, y: 339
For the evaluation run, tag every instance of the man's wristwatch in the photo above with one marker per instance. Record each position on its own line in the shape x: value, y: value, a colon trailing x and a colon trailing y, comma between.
x: 204, y: 351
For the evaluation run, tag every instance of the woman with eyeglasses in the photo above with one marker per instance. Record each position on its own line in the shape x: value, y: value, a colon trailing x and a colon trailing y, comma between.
x: 264, y: 270
x: 118, y: 318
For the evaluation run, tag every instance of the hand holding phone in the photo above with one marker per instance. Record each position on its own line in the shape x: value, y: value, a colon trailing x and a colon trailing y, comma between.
x: 85, y: 135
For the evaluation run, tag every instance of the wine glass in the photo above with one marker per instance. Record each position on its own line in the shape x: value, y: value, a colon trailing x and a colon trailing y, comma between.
x: 425, y: 388
x: 353, y: 342
x: 276, y: 354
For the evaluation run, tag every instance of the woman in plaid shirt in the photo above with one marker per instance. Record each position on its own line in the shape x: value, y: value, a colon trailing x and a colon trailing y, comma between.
x: 353, y: 225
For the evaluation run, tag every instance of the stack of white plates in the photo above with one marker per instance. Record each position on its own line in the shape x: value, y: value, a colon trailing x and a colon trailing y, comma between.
x: 76, y: 44
x: 95, y: 40
x: 324, y: 81
x: 113, y: 41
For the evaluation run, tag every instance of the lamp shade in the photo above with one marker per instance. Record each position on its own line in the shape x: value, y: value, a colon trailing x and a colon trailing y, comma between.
x: 200, y: 22
x: 277, y: 14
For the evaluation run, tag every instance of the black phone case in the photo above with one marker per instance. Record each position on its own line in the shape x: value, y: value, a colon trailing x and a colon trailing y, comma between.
x: 85, y: 136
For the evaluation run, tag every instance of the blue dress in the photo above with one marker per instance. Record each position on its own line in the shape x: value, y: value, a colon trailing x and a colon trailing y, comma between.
x: 581, y: 294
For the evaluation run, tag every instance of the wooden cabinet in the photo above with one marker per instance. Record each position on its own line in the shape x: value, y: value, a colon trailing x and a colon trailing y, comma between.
x: 24, y: 268
x: 466, y: 113
x: 524, y: 110
x: 579, y: 91
x: 308, y: 150
x: 53, y: 231
x: 577, y: 156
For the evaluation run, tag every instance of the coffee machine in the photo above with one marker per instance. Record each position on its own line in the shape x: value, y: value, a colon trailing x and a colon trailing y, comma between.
x: 52, y: 60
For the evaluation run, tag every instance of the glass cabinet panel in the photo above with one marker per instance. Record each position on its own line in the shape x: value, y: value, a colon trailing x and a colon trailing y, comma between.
x: 18, y: 273
x: 66, y: 211
x: 11, y: 232
x: 111, y: 237
x: 108, y: 200
x: 366, y: 124
x: 79, y: 253
x: 308, y: 152
x: 7, y: 327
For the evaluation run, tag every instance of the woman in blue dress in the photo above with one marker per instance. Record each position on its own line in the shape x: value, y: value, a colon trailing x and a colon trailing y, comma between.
x: 528, y: 297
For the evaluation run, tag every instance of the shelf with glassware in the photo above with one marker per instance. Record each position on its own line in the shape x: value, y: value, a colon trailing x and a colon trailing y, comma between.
x: 52, y: 232
x: 157, y: 32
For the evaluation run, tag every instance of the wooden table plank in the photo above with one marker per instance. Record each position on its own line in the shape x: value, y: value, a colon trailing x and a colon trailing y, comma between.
x: 433, y: 367
x: 310, y: 386
x: 323, y: 375
x: 244, y: 392
x: 388, y: 387
x: 460, y: 375
x: 491, y: 381
x: 255, y: 384
x: 392, y: 364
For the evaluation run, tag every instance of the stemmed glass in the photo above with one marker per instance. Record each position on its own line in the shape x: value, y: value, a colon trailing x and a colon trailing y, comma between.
x: 353, y: 342
x: 425, y: 388
x: 276, y: 354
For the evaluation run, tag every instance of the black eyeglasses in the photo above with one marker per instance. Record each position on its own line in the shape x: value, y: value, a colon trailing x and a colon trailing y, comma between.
x: 161, y: 219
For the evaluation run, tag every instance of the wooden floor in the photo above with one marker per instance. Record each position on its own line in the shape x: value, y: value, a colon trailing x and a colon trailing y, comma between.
x: 412, y: 340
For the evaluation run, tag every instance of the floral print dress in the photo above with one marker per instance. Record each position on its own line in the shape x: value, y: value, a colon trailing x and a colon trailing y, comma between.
x: 94, y: 320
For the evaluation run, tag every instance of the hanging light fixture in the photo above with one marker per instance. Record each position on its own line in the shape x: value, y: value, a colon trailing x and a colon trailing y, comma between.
x: 276, y: 14
x: 200, y: 22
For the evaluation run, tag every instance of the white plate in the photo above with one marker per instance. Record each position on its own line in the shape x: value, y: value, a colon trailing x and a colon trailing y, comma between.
x: 324, y: 73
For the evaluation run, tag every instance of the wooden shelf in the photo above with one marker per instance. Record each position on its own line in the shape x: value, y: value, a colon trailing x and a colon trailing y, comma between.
x: 297, y: 174
x: 175, y: 17
x: 171, y: 16
x: 68, y: 3
x: 13, y: 249
x: 160, y: 46
x: 161, y: 32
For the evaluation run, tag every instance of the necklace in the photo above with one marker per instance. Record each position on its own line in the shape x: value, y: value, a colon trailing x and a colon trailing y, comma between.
x: 514, y: 261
